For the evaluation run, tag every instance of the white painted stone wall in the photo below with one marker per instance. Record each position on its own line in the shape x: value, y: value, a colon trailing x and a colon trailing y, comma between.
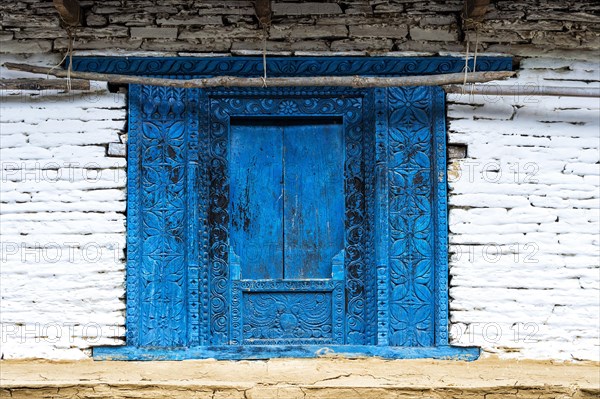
x: 524, y: 220
x: 62, y: 221
x: 524, y: 217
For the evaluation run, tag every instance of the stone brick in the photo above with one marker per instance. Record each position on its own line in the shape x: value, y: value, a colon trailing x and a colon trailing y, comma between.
x: 360, y: 44
x: 117, y: 150
x: 204, y: 45
x: 101, y: 44
x: 106, y: 8
x: 434, y: 34
x: 434, y: 47
x: 154, y: 33
x: 442, y: 6
x: 457, y: 151
x: 131, y: 19
x: 6, y: 36
x: 590, y: 40
x: 212, y: 32
x: 257, y: 45
x: 349, y: 20
x: 494, y: 14
x: 95, y: 20
x: 309, y: 45
x: 222, y: 11
x: 539, y: 26
x: 554, y: 15
x: 502, y: 36
x: 25, y: 46
x: 305, y: 8
x: 26, y: 21
x: 382, y: 30
x: 383, y: 9
x: 359, y: 9
x: 558, y: 39
x: 40, y: 33
x: 236, y: 19
x: 441, y: 20
x: 191, y: 20
x: 308, y: 32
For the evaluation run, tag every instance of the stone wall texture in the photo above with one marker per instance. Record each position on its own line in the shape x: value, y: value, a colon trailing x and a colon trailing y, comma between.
x: 524, y: 171
x: 375, y: 26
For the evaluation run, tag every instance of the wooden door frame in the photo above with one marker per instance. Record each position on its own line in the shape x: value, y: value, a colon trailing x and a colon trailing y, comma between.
x: 354, y: 285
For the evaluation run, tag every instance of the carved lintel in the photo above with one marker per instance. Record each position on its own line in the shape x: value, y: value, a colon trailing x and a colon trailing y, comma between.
x: 69, y: 10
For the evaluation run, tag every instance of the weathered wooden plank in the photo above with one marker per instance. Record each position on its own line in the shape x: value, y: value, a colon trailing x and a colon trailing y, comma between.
x: 69, y: 11
x: 313, y: 198
x: 43, y: 84
x: 256, y: 198
x: 275, y: 351
x: 230, y: 81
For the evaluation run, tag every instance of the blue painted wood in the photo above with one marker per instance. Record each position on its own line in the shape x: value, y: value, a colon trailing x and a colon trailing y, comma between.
x: 440, y: 215
x: 313, y: 198
x: 381, y: 212
x: 256, y: 197
x: 258, y: 352
x: 287, y: 197
x: 197, y: 67
x: 350, y: 106
x: 159, y: 227
x: 383, y: 291
x: 411, y: 209
x: 277, y: 312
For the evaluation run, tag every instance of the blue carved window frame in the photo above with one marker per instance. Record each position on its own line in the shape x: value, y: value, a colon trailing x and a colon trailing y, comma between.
x: 409, y: 203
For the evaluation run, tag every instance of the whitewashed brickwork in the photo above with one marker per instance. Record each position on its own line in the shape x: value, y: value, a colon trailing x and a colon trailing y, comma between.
x: 524, y: 217
x: 62, y: 221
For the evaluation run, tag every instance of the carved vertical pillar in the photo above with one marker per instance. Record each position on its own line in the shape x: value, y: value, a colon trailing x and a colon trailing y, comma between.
x: 411, y: 217
x: 159, y: 218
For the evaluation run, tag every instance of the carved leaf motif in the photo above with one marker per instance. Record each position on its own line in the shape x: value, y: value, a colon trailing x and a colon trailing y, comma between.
x: 163, y: 218
x: 286, y: 316
x: 411, y: 223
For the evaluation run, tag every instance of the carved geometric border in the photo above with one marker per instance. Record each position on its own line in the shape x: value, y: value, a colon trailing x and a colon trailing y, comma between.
x: 197, y: 67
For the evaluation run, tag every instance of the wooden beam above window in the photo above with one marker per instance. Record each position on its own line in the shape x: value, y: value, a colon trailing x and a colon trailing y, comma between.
x: 263, y: 12
x: 44, y: 84
x: 69, y: 11
x: 474, y: 10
